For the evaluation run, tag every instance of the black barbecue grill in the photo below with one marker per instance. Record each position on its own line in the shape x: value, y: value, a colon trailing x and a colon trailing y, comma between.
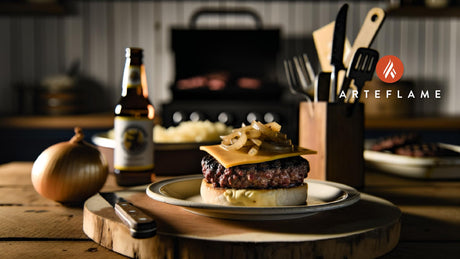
x: 227, y: 75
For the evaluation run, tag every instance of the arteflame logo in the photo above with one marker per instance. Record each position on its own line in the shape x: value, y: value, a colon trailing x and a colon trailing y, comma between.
x: 389, y: 69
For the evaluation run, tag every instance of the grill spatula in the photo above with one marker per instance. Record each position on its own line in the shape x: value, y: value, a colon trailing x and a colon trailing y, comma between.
x: 362, y: 68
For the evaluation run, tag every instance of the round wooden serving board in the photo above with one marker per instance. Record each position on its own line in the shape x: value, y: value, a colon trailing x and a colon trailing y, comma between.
x: 366, y: 229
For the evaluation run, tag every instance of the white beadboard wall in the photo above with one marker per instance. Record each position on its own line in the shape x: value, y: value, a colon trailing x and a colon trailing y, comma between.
x: 32, y: 47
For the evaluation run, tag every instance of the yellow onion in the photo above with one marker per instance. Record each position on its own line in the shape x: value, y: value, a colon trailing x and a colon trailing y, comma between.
x: 69, y: 172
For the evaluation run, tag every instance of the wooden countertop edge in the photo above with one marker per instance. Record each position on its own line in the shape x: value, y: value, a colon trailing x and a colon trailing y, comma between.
x: 105, y: 120
x: 89, y: 248
x: 423, y: 123
x: 86, y: 121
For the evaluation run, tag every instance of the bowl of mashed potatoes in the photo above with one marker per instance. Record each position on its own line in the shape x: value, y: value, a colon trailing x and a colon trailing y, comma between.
x: 172, y: 144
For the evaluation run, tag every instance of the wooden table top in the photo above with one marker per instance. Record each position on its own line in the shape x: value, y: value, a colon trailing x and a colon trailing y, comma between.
x: 33, y: 226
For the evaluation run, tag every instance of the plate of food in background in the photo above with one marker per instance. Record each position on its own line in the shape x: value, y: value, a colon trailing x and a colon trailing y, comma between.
x: 410, y: 156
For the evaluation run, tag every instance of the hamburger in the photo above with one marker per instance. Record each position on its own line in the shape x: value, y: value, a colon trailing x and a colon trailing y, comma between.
x: 255, y: 166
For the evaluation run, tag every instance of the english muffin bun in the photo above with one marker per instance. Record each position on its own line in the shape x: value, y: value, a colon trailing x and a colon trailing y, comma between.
x: 254, y: 197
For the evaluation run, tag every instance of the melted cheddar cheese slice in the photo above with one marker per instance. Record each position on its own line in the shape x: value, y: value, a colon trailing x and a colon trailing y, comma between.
x: 234, y: 158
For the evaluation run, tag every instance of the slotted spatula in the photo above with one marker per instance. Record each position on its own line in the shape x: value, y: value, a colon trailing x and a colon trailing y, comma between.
x: 362, y: 68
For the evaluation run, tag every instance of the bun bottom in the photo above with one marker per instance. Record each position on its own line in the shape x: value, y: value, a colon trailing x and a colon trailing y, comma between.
x: 254, y: 197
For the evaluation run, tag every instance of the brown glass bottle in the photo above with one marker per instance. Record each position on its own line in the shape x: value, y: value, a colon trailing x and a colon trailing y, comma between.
x: 133, y: 154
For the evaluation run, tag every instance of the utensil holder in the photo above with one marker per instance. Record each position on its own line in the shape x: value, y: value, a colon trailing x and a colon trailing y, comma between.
x: 336, y: 132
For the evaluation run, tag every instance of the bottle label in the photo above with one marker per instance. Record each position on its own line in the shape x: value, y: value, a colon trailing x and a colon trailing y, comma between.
x: 134, y: 78
x: 133, y: 143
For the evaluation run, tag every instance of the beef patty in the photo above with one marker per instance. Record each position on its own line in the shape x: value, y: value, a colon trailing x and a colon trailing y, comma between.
x: 281, y: 173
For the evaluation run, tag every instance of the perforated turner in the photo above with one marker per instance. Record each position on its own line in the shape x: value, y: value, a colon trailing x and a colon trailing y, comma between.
x: 362, y: 68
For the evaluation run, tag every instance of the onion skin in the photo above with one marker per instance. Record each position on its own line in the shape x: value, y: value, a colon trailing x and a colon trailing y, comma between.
x: 69, y: 172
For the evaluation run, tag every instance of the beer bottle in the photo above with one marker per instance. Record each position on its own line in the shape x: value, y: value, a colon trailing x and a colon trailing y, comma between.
x: 133, y: 154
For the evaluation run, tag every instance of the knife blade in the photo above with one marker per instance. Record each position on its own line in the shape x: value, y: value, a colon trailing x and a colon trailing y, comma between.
x: 322, y: 38
x: 140, y: 224
x: 338, y: 44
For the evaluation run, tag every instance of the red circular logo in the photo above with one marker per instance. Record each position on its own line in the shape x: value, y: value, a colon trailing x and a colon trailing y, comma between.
x: 389, y: 69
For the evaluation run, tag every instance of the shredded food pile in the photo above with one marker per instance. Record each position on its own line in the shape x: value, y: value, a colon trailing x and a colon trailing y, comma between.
x: 257, y: 136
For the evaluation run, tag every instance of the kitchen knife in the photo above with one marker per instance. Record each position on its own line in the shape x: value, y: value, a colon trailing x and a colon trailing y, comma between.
x: 140, y: 224
x: 322, y: 38
x: 338, y: 44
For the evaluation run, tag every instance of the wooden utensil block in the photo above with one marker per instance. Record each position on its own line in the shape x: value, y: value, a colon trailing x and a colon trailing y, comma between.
x: 336, y: 132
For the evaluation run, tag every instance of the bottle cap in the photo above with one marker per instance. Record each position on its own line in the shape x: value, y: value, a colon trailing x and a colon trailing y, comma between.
x: 130, y: 52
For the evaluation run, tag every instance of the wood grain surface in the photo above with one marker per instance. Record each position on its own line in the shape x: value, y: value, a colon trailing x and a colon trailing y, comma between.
x: 369, y: 228
x: 430, y: 222
x: 337, y: 135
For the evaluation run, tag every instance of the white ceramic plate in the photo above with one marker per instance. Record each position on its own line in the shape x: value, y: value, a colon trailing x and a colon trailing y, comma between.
x: 185, y: 192
x: 415, y: 167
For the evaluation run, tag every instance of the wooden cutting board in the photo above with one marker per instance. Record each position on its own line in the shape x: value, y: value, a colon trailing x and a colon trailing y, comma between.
x: 366, y: 229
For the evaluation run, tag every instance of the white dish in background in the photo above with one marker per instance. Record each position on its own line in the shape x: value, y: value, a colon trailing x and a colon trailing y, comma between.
x: 415, y: 167
x: 105, y: 140
x: 185, y: 192
x: 165, y: 157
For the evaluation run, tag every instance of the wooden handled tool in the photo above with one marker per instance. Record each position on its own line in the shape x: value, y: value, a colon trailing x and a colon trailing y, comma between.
x: 366, y: 35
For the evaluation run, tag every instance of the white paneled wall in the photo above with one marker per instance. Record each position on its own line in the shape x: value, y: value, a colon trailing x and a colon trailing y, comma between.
x: 32, y: 47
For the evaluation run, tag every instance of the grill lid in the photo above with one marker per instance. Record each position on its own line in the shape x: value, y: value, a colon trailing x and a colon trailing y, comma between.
x: 225, y: 62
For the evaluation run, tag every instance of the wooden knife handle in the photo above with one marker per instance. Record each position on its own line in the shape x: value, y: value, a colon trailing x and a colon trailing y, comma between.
x: 135, y: 218
x: 367, y: 33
